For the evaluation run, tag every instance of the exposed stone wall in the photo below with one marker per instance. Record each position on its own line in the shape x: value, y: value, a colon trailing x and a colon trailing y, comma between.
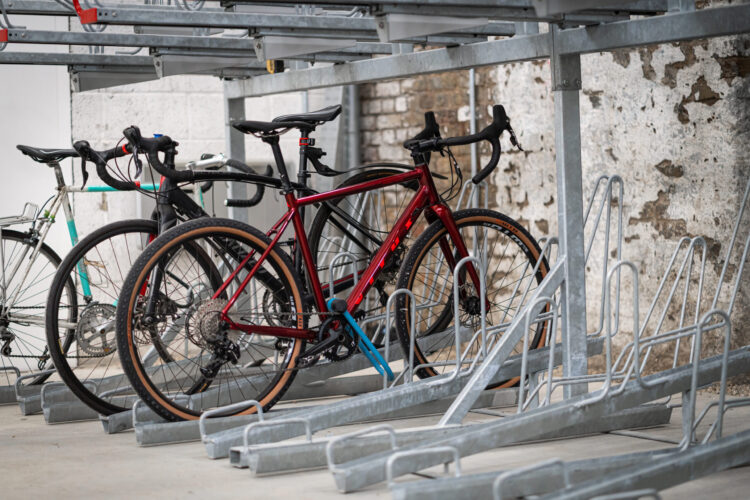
x: 672, y: 120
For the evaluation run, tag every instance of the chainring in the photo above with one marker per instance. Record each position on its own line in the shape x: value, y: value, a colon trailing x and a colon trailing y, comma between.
x: 344, y: 349
x: 95, y: 332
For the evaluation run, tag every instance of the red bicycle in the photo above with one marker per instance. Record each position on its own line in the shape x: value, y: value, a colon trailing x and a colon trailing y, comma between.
x: 251, y: 322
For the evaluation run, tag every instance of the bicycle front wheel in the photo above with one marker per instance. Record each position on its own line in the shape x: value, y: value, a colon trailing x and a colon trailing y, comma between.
x: 508, y: 254
x: 84, y: 350
x: 169, y: 304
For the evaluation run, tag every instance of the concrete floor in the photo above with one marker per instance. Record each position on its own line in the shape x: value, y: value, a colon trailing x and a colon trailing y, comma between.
x: 78, y: 460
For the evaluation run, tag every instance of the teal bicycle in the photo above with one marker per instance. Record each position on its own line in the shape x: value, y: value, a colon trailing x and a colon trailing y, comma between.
x: 80, y: 332
x: 28, y: 266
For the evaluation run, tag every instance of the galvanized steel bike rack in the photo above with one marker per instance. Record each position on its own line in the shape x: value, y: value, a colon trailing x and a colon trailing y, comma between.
x: 639, y: 469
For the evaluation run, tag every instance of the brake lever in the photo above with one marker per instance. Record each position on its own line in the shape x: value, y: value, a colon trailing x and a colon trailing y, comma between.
x: 138, y: 163
x: 84, y: 172
x: 513, y: 138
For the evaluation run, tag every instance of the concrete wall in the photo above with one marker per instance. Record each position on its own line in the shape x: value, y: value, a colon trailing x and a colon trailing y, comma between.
x: 190, y: 109
x: 672, y: 120
x: 35, y: 111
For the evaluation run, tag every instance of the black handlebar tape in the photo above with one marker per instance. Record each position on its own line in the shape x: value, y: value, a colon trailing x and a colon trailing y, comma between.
x: 100, y: 159
x: 259, y: 188
x: 499, y: 124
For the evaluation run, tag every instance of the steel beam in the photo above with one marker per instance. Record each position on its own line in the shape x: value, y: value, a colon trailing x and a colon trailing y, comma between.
x: 586, y: 408
x: 63, y: 59
x: 378, y: 403
x: 129, y: 40
x: 384, y: 68
x: 234, y: 109
x: 84, y: 78
x: 321, y: 379
x: 552, y: 7
x: 502, y: 349
x: 285, y: 457
x: 214, y: 18
x: 7, y: 394
x: 718, y: 21
x: 536, y: 482
x: 705, y: 23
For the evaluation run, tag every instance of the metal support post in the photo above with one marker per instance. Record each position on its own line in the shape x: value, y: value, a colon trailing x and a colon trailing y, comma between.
x: 234, y: 109
x: 473, y: 130
x: 566, y: 86
x: 353, y: 154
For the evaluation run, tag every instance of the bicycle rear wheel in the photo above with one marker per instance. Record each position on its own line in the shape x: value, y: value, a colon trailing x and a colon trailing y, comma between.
x: 209, y: 365
x: 24, y: 285
x: 509, y: 254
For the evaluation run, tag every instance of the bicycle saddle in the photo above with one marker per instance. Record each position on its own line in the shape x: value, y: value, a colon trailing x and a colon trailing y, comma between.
x: 253, y: 127
x: 319, y: 116
x: 47, y: 155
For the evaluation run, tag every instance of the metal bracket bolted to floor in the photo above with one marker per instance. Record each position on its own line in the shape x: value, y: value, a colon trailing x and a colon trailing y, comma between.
x: 533, y: 423
x: 534, y: 482
x: 378, y: 403
x: 274, y: 458
x: 319, y: 381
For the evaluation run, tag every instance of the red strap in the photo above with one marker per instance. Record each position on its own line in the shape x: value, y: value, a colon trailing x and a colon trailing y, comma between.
x: 125, y: 149
x: 88, y: 16
x: 3, y: 36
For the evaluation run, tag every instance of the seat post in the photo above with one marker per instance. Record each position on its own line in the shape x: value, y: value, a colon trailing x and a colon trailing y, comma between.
x: 58, y: 174
x: 304, y: 142
x: 273, y: 141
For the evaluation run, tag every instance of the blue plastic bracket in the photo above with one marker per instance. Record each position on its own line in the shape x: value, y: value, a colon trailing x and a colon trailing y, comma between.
x: 364, y: 344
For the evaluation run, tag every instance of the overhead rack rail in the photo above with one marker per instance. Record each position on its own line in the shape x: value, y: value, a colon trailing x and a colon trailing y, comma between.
x: 233, y: 39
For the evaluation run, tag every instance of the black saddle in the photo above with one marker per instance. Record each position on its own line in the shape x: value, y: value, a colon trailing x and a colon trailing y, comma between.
x: 313, y: 117
x: 253, y: 127
x: 47, y: 155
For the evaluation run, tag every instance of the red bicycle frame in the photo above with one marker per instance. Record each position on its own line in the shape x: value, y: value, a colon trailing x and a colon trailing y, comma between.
x: 426, y: 199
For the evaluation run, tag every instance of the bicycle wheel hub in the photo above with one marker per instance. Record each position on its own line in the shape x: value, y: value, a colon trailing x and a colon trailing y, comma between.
x: 472, y: 306
x: 204, y: 324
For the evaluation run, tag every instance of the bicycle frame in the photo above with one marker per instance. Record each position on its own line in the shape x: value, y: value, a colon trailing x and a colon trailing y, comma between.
x: 426, y: 199
x: 45, y: 221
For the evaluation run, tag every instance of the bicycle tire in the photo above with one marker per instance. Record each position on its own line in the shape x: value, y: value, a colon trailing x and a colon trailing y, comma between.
x: 408, y: 278
x: 148, y: 389
x: 67, y: 269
